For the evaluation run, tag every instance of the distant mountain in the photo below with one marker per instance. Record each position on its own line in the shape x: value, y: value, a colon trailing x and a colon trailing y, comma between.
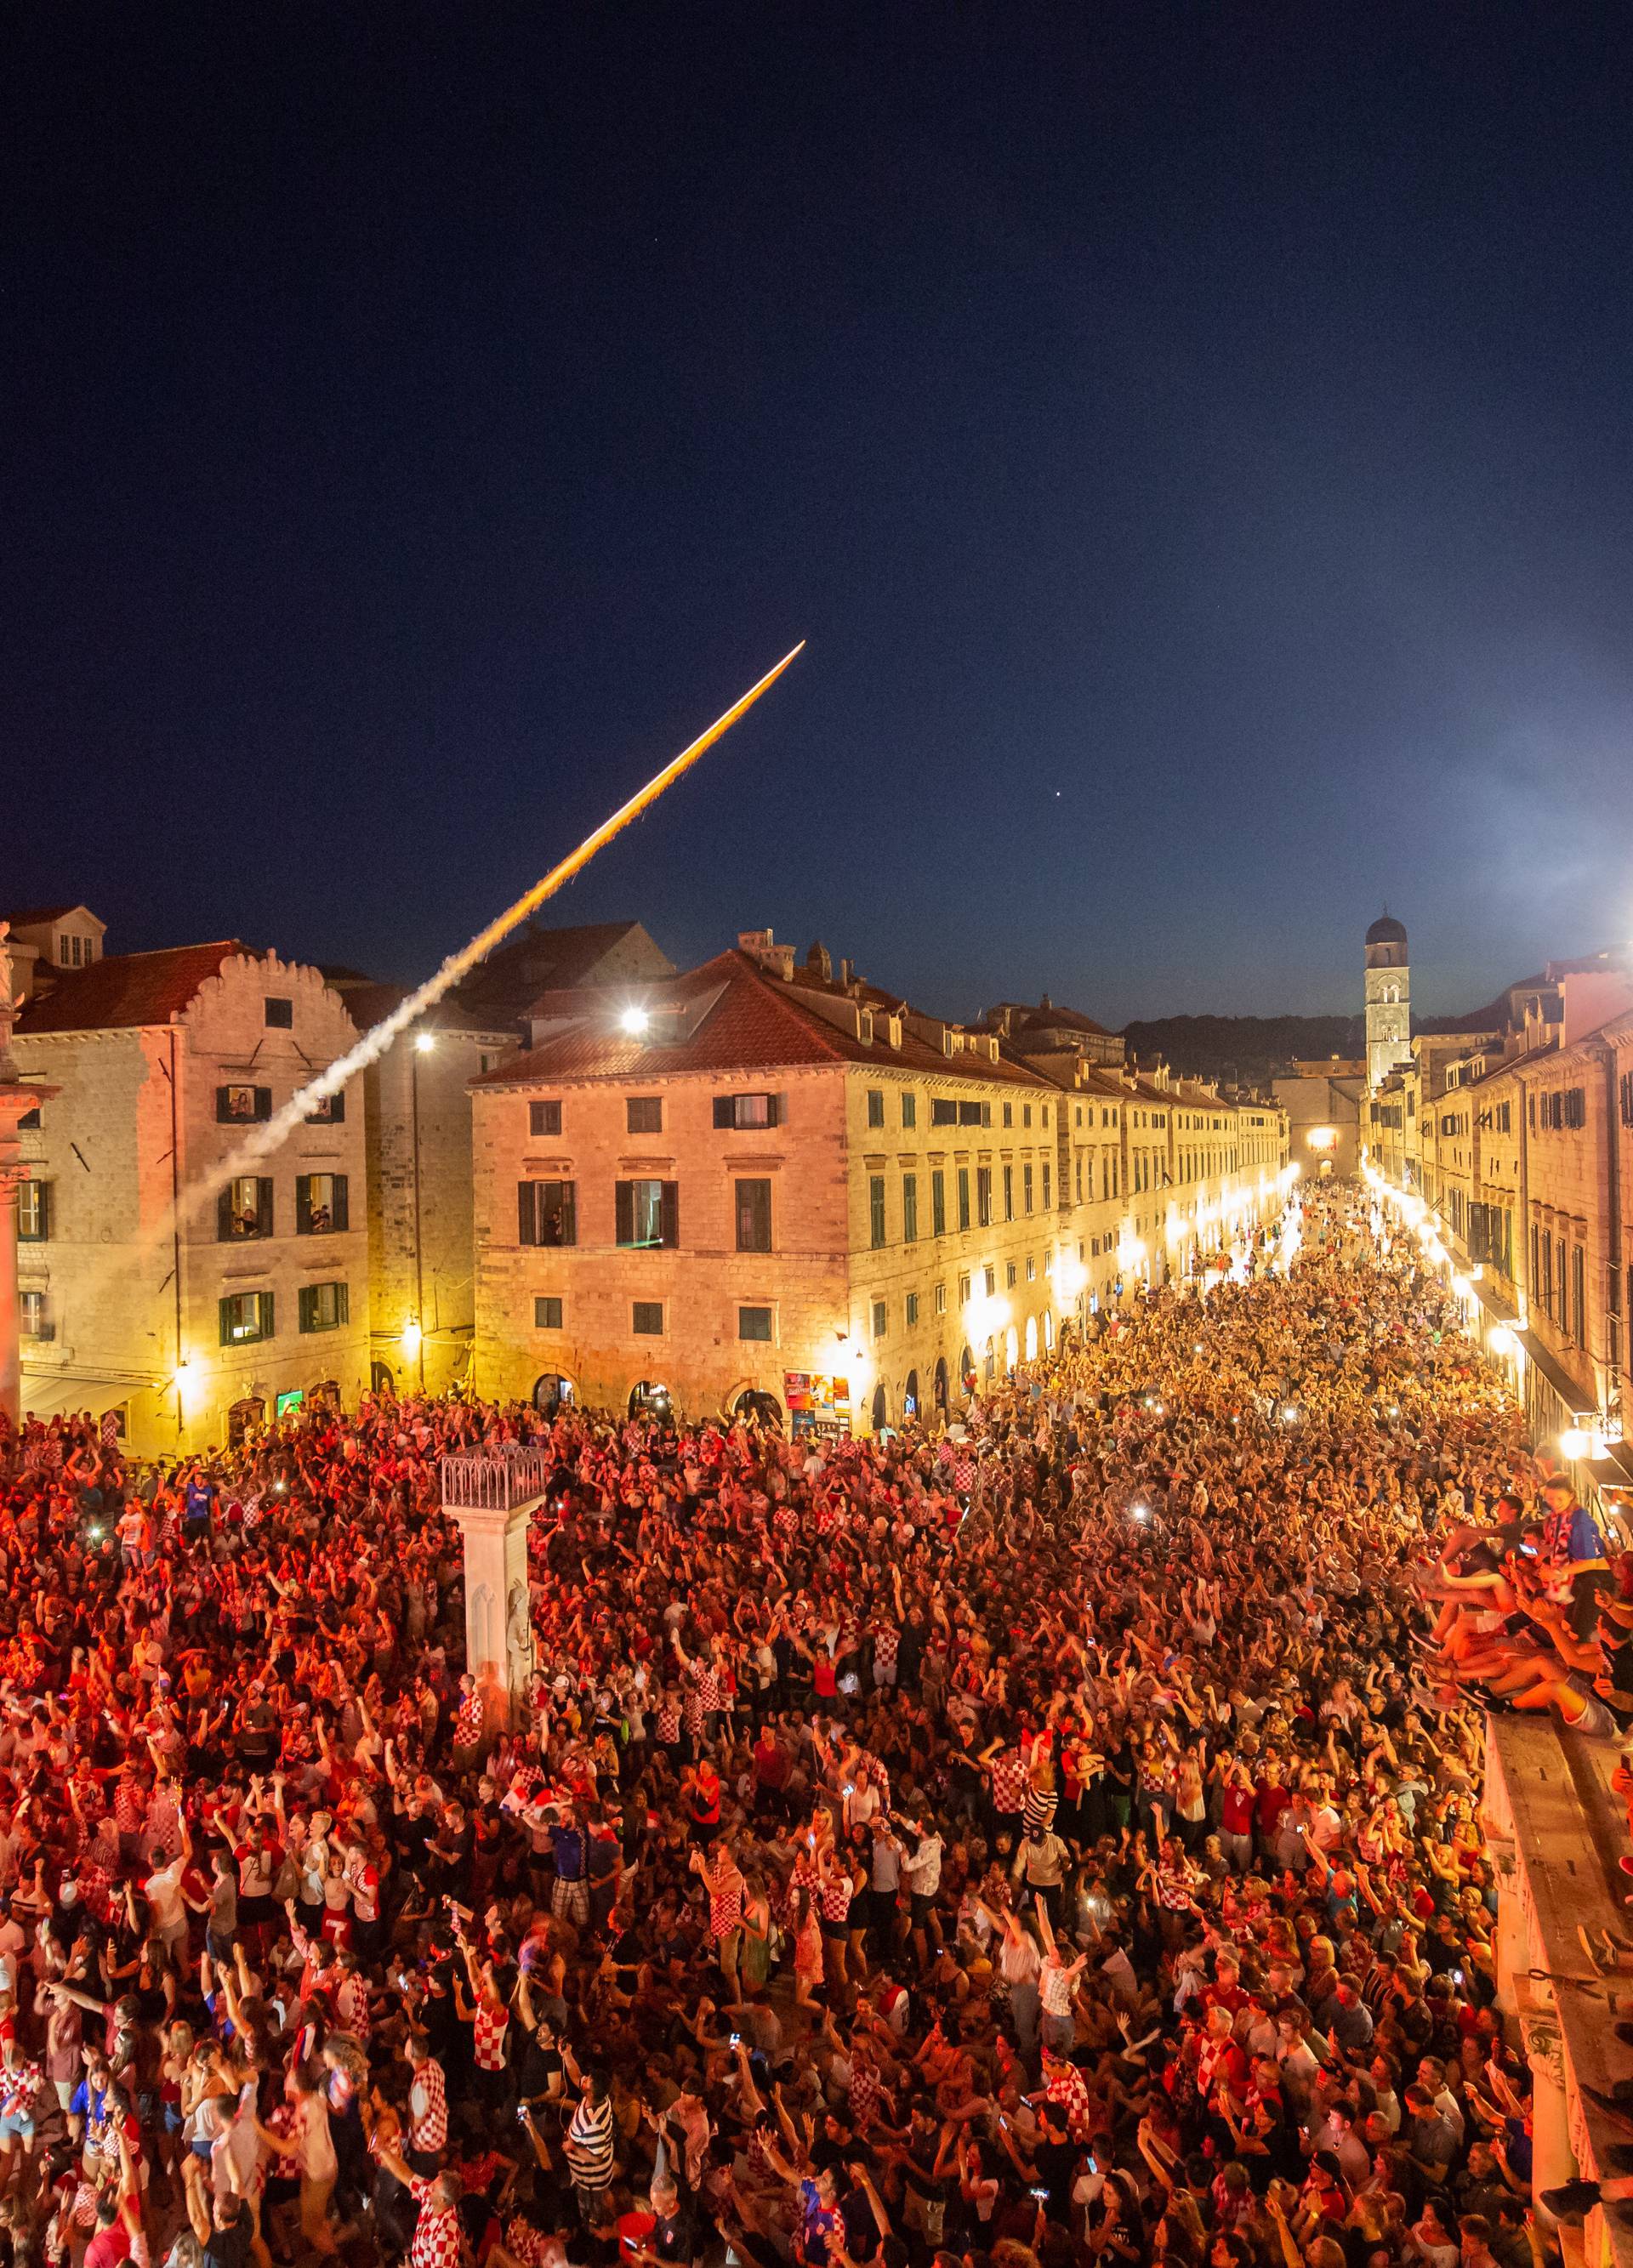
x: 1242, y: 1049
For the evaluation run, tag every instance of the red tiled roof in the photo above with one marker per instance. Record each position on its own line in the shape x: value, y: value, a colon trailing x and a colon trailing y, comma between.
x: 756, y: 1023
x: 126, y: 989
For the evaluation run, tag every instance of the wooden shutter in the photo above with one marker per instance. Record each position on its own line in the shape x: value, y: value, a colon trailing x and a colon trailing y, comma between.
x: 773, y: 1109
x: 343, y: 1303
x: 303, y: 1205
x: 267, y: 1313
x: 222, y: 1112
x: 671, y: 1213
x: 338, y: 1214
x: 263, y: 1207
x: 223, y: 1309
x: 725, y: 1110
x: 527, y: 1214
x: 263, y: 1102
x: 224, y: 1214
x: 569, y: 1212
x: 623, y: 1213
x: 308, y: 1307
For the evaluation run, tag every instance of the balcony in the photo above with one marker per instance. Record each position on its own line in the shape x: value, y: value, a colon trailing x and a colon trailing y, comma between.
x: 498, y: 1480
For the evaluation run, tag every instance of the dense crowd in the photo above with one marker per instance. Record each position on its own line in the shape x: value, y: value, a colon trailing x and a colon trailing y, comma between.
x: 1056, y: 1844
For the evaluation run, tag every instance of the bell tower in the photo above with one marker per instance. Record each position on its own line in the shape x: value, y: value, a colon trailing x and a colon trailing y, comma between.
x: 1388, y: 1000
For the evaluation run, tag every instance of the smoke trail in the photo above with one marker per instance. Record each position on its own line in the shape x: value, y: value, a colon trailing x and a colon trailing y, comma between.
x: 267, y: 1137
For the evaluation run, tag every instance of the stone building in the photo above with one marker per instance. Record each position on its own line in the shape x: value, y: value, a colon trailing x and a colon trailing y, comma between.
x: 1388, y: 999
x: 191, y: 1325
x: 418, y: 1115
x: 1323, y: 1102
x: 1515, y: 1140
x: 761, y: 1185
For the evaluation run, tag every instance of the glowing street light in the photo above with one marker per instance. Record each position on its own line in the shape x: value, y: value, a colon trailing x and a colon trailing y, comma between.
x: 634, y: 1022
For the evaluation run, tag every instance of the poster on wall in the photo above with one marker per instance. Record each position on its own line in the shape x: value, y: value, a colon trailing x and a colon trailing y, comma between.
x: 817, y: 1404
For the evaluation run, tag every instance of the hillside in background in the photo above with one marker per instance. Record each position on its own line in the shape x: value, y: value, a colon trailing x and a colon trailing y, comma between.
x: 1244, y: 1050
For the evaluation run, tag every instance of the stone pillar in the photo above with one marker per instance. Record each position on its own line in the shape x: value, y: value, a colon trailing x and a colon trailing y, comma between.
x: 16, y: 1100
x: 1553, y: 2158
x: 492, y: 1499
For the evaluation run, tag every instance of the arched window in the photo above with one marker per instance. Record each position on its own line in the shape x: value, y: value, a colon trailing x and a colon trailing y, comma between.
x: 910, y: 1396
x: 880, y: 1407
x: 552, y: 1392
x: 938, y: 1390
x: 1032, y: 1338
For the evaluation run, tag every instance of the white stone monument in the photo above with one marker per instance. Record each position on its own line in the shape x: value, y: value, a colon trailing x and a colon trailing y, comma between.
x: 492, y: 1495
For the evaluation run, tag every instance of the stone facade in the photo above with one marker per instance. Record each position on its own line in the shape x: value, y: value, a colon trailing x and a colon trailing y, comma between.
x: 1388, y: 985
x: 933, y: 1208
x: 124, y: 1303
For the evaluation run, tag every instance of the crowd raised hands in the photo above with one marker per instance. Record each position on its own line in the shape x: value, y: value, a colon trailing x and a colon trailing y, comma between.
x: 1056, y: 1843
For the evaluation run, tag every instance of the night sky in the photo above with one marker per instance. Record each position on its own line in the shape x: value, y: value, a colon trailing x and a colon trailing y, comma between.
x: 1197, y: 444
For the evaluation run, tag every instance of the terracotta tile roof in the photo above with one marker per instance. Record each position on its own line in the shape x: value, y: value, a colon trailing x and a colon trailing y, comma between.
x: 32, y: 916
x: 744, y: 1020
x: 126, y: 989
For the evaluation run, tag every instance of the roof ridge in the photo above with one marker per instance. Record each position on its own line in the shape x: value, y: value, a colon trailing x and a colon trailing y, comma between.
x: 806, y: 1017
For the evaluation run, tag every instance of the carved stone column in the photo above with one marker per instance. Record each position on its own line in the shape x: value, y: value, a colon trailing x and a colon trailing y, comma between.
x: 492, y: 1496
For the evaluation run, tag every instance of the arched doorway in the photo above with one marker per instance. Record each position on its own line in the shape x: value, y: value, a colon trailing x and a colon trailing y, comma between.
x: 1011, y: 1349
x: 379, y: 1379
x: 1032, y: 1338
x: 324, y: 1395
x: 938, y: 1384
x: 245, y: 1418
x: 881, y: 1407
x: 1049, y: 1330
x: 649, y: 1398
x: 966, y: 1371
x: 910, y: 1398
x: 551, y: 1393
x: 757, y: 1409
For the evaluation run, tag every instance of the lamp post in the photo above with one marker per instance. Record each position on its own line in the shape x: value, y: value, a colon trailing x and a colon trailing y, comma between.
x: 424, y: 1043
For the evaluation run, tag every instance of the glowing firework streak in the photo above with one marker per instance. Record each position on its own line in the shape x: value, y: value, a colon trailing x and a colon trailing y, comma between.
x: 373, y: 1043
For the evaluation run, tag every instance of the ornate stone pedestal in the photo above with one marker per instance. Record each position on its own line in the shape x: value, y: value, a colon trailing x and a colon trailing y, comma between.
x: 492, y: 1496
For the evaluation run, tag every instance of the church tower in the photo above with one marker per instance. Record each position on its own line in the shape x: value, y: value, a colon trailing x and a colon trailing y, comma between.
x: 1388, y: 1000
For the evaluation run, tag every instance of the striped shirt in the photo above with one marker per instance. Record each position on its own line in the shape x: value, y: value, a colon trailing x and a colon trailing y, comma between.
x: 590, y: 2145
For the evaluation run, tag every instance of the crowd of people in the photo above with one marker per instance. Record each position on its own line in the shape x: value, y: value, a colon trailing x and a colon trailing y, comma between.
x: 1051, y: 1847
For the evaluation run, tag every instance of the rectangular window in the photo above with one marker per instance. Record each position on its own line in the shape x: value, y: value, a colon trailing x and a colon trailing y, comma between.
x: 963, y: 1291
x: 29, y: 1123
x: 910, y: 1109
x: 878, y: 1319
x: 643, y: 1113
x: 547, y: 1212
x: 319, y: 1205
x: 913, y: 1309
x: 329, y: 1111
x: 875, y: 1209
x: 989, y: 1279
x: 1026, y: 1115
x: 1008, y: 1114
x: 245, y: 1317
x: 546, y: 1313
x: 244, y: 1210
x: 241, y: 1105
x: 1008, y: 1276
x: 543, y: 1118
x: 647, y: 1214
x: 753, y: 1323
x: 280, y: 1014
x: 984, y: 1196
x: 875, y: 1107
x: 646, y: 1319
x: 938, y: 1202
x: 943, y: 1113
x: 1008, y: 1192
x: 754, y: 1216
x: 1032, y: 1267
x: 324, y: 1306
x: 941, y: 1299
x: 1046, y: 1184
x: 34, y: 1212
x: 33, y: 1315
x: 909, y: 1208
x: 1563, y: 1312
x: 1026, y: 1187
x: 975, y: 1114
x: 1578, y: 1295
x: 745, y: 1111
x: 963, y: 1197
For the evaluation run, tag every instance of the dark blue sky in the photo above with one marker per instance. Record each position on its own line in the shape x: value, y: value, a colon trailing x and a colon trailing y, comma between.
x: 1195, y: 442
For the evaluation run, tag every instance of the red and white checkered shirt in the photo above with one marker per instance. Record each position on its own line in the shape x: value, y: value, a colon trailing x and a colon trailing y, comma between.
x: 428, y: 2108
x: 436, y: 2234
x: 1010, y: 1778
x: 468, y: 1724
x: 489, y: 2029
x: 1067, y: 2087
